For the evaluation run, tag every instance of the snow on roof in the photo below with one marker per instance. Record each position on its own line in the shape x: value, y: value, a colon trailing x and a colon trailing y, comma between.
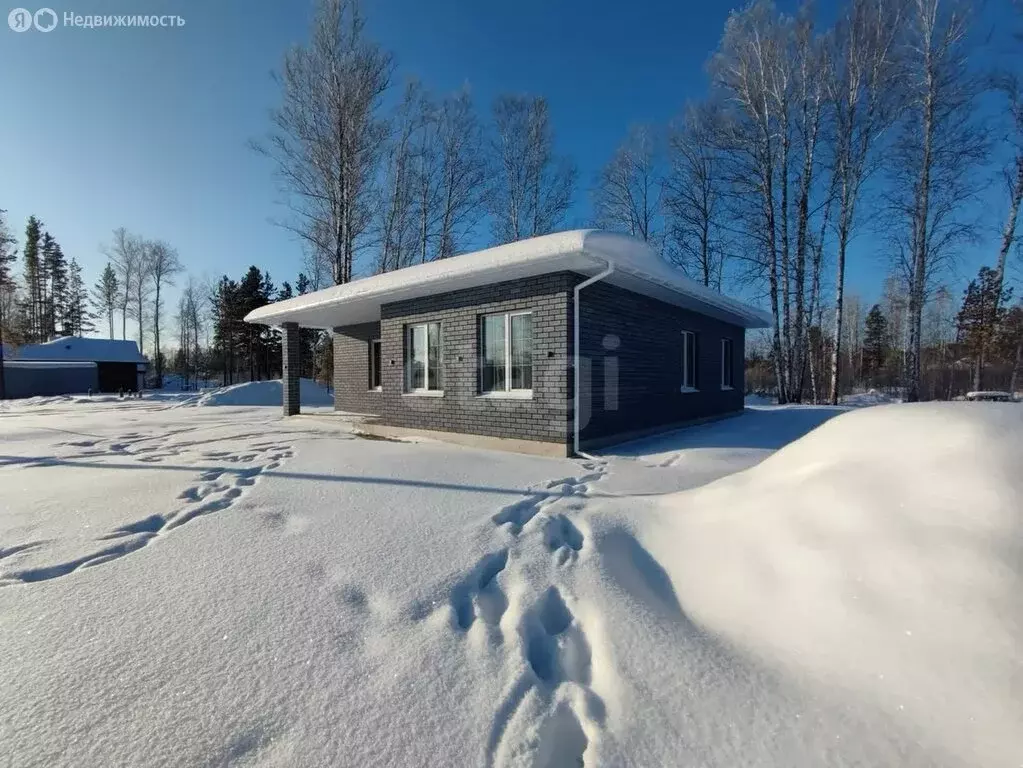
x: 585, y: 251
x: 78, y: 348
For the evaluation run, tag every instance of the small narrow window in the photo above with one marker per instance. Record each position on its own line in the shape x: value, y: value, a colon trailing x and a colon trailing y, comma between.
x: 375, y: 381
x: 422, y: 358
x: 506, y: 353
x: 688, y: 361
x: 727, y: 363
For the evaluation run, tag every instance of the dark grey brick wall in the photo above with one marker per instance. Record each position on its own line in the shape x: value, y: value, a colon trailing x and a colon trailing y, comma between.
x: 545, y: 417
x: 290, y: 350
x: 627, y: 338
x: 642, y: 338
x: 351, y: 369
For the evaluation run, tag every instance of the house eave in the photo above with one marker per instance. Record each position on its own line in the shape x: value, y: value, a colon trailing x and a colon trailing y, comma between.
x: 584, y: 252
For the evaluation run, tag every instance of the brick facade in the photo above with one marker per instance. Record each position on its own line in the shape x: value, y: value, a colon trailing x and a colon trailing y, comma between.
x: 636, y: 341
x: 624, y: 336
x: 545, y: 417
x: 351, y: 369
x: 290, y: 350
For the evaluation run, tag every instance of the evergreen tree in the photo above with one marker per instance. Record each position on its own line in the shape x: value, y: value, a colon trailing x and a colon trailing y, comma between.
x: 105, y: 293
x: 56, y: 270
x: 226, y: 317
x: 78, y: 318
x: 7, y: 255
x: 875, y: 343
x: 46, y: 315
x: 33, y: 279
x: 1009, y: 343
x: 980, y: 317
x: 308, y: 338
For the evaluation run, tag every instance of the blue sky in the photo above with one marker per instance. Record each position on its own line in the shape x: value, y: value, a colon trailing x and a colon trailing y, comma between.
x: 148, y: 128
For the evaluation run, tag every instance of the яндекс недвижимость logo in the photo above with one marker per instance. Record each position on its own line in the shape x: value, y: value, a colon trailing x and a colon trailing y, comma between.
x: 22, y: 19
x: 46, y: 20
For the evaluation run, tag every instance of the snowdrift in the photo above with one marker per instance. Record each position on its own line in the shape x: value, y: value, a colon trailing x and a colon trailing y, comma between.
x: 265, y: 393
x: 881, y: 555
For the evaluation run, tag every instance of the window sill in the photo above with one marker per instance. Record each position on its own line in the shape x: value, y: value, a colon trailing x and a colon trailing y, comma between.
x: 375, y: 389
x: 688, y: 390
x: 425, y: 393
x: 727, y: 389
x: 514, y: 394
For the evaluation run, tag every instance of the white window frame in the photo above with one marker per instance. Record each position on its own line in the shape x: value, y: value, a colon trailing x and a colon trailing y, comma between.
x: 688, y: 377
x: 438, y: 364
x: 507, y: 391
x: 374, y: 372
x: 724, y: 357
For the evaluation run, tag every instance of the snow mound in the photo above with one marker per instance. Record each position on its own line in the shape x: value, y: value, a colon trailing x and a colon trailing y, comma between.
x: 868, y: 398
x: 265, y: 393
x: 882, y: 555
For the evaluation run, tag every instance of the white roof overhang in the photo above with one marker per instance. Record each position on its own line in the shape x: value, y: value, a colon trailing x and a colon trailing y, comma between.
x: 586, y: 252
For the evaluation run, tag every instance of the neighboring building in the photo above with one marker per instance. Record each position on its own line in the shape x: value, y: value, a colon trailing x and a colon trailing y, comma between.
x: 500, y: 344
x: 34, y: 378
x: 119, y: 365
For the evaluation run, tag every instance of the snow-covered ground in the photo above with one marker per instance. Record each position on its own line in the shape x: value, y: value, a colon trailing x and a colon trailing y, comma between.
x: 265, y: 393
x: 218, y: 586
x: 854, y: 400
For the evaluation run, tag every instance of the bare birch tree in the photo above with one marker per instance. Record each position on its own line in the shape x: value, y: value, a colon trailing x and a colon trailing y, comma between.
x: 191, y: 327
x: 1012, y: 87
x: 627, y: 194
x: 396, y: 210
x: 326, y: 134
x: 462, y: 173
x: 695, y: 196
x: 163, y: 265
x: 754, y: 73
x: 532, y: 186
x: 125, y: 254
x: 937, y: 155
x: 860, y: 87
x: 140, y: 288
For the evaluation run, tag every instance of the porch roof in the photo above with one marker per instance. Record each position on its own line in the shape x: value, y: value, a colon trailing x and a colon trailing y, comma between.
x: 586, y: 252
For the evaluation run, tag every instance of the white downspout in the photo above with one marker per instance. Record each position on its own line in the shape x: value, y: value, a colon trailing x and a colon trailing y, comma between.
x: 575, y: 403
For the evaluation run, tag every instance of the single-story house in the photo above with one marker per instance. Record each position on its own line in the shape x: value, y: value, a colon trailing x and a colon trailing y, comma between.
x: 119, y: 364
x: 550, y: 345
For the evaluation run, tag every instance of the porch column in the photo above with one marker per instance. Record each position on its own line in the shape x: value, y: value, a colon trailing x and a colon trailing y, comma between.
x: 290, y: 351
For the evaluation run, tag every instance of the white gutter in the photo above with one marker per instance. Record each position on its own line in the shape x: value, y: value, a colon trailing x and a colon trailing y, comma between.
x: 575, y: 402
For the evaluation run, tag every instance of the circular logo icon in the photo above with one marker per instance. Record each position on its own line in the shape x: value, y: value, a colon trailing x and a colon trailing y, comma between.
x: 45, y: 19
x: 20, y: 20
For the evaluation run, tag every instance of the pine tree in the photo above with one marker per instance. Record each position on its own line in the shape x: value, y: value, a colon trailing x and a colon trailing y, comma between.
x: 979, y: 319
x: 56, y: 270
x: 33, y: 286
x: 1009, y: 343
x: 226, y: 304
x: 78, y: 318
x: 7, y: 256
x: 875, y: 343
x: 308, y: 338
x: 45, y: 311
x: 105, y: 293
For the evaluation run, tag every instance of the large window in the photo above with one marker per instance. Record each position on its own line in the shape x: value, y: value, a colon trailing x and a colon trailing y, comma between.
x: 375, y: 381
x: 422, y: 358
x: 727, y: 364
x: 506, y: 359
x: 688, y: 361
